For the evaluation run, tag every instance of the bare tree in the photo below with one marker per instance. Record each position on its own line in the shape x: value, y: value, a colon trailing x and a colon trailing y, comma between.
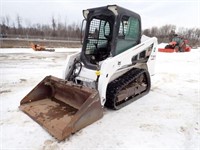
x: 3, y: 27
x: 19, y: 20
x: 166, y: 33
x: 7, y: 20
x: 147, y: 32
x: 2, y: 20
x: 53, y: 26
x: 154, y: 31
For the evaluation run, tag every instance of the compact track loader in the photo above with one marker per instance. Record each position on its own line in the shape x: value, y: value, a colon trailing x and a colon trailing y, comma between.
x: 113, y: 69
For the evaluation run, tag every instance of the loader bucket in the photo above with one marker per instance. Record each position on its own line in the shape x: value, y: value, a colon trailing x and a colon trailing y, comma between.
x: 62, y: 107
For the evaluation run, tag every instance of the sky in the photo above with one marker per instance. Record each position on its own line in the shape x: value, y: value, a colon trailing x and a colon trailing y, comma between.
x: 182, y: 13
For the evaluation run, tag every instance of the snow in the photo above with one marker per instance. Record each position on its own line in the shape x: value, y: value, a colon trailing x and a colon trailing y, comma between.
x: 29, y: 50
x: 167, y: 118
x: 162, y: 45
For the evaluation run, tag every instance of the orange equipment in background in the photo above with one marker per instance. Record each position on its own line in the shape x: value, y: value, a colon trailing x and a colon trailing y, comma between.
x: 37, y: 47
x: 178, y: 44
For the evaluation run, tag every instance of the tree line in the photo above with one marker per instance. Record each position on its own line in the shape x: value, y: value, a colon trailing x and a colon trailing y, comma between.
x: 64, y: 31
x: 165, y: 34
x: 54, y: 30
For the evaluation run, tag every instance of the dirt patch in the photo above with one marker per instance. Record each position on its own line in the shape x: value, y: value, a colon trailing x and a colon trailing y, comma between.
x: 22, y: 80
x: 24, y: 43
x: 5, y: 91
x: 150, y: 127
x: 48, y: 144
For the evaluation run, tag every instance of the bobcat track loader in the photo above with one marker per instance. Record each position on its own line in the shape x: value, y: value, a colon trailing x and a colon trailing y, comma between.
x: 113, y: 69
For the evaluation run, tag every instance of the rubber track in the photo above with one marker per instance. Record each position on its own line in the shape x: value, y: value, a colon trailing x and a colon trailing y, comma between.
x: 115, y: 86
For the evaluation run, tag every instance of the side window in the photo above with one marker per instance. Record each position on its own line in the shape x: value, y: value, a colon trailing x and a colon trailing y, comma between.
x: 129, y: 28
x: 133, y: 29
x: 123, y: 29
x: 129, y: 32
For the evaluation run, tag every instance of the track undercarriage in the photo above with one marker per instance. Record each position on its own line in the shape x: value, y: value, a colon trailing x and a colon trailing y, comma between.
x: 128, y: 88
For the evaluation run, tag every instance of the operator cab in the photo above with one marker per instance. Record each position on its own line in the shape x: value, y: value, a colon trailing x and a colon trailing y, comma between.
x: 109, y: 31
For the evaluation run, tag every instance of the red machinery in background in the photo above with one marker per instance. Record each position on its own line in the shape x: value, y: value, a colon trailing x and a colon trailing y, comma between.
x: 178, y: 44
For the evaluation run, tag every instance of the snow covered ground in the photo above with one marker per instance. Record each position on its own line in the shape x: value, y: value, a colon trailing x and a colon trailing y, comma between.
x: 167, y: 118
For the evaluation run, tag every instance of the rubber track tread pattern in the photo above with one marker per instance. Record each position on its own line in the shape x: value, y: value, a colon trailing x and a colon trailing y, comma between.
x: 115, y: 86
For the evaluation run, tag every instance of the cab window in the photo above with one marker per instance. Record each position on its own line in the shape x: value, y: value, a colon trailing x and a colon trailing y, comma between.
x: 129, y: 33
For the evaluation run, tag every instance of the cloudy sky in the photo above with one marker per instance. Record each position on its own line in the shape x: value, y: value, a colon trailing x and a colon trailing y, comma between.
x: 182, y: 13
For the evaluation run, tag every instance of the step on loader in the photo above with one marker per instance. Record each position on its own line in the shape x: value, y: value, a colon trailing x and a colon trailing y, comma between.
x: 113, y: 69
